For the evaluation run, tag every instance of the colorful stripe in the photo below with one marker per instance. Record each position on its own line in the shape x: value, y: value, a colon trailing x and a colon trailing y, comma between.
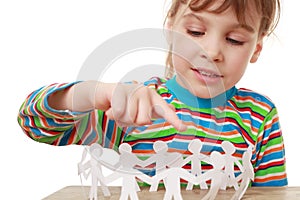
x: 245, y: 118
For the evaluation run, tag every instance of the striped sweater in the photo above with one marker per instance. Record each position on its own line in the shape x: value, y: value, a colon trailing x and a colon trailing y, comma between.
x: 240, y: 116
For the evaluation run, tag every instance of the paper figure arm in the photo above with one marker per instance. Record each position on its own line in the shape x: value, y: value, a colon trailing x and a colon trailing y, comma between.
x: 84, y: 153
x: 150, y: 160
x: 251, y: 176
x: 160, y: 176
x: 145, y: 178
x: 248, y: 173
x: 83, y: 167
x: 185, y: 161
x: 140, y: 162
x: 184, y: 174
x: 80, y: 164
x: 239, y: 165
x: 205, y: 159
x: 117, y: 165
x: 205, y: 176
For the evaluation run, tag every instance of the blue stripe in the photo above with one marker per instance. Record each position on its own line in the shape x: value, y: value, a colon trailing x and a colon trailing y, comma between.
x: 90, y: 138
x: 275, y: 183
x: 36, y: 131
x: 34, y: 94
x: 272, y: 156
x: 65, y: 138
x: 51, y: 122
x: 143, y: 146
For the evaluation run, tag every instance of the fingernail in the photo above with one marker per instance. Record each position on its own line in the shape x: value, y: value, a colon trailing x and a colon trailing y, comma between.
x: 182, y: 127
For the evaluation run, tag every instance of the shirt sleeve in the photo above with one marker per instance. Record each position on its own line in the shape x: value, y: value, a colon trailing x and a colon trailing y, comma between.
x: 270, y: 166
x: 62, y: 127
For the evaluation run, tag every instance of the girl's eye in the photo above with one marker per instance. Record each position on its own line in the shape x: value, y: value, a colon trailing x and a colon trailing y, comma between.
x: 234, y: 42
x: 195, y: 33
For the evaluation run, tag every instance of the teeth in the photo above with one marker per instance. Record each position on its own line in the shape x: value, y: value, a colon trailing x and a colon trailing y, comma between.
x: 204, y: 73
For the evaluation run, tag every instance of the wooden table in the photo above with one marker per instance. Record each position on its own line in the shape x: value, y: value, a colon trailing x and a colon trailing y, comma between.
x: 254, y: 193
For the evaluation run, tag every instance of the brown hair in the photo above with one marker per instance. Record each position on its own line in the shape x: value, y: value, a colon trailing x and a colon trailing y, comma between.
x: 269, y: 10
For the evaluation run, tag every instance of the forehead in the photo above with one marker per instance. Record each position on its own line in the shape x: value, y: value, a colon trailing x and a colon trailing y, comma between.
x: 245, y: 15
x: 245, y: 12
x: 222, y: 5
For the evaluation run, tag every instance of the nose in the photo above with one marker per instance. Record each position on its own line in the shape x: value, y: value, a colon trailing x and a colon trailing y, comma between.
x: 212, y: 50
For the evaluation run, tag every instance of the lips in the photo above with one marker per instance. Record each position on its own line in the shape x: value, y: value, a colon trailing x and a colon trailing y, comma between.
x: 207, y: 73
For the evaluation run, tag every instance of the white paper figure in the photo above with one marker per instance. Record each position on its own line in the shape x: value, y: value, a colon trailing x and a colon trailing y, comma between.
x: 246, y: 175
x: 172, y: 176
x: 216, y: 175
x: 195, y: 147
x: 95, y: 170
x: 162, y: 159
x: 229, y: 149
x: 128, y: 173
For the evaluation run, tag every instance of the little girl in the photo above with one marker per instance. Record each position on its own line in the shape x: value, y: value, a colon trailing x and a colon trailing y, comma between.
x: 196, y: 100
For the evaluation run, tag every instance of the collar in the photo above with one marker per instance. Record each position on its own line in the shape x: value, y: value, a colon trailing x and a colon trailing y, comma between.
x: 189, y: 99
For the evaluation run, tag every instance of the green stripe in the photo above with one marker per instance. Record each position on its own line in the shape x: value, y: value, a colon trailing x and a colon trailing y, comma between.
x: 48, y: 139
x: 162, y: 133
x: 255, y: 108
x: 81, y: 128
x: 270, y: 170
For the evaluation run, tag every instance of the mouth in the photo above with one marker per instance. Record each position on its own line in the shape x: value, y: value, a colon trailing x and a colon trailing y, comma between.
x: 207, y: 73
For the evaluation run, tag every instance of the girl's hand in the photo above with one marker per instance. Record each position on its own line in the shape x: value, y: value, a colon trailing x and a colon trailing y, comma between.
x: 127, y: 104
x: 136, y: 105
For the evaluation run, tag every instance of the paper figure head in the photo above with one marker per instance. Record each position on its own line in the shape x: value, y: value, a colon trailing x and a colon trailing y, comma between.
x: 228, y: 147
x: 125, y: 148
x: 195, y: 146
x: 160, y: 147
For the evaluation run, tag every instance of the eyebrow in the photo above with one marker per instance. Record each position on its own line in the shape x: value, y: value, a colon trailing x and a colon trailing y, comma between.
x: 237, y: 26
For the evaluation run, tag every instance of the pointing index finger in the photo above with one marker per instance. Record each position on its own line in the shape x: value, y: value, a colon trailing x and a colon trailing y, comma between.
x: 162, y: 109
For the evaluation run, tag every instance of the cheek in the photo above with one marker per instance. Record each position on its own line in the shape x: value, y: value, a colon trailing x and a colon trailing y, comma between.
x: 185, y: 47
x: 236, y: 68
x: 182, y: 53
x: 236, y: 64
x: 179, y: 62
x: 239, y: 59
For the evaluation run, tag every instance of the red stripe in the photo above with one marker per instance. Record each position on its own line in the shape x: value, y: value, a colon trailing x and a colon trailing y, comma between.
x: 243, y: 131
x: 247, y: 109
x: 272, y: 164
x: 272, y: 136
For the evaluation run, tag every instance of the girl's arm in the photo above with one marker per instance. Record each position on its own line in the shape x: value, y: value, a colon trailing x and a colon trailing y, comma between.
x: 62, y: 114
x: 47, y: 118
x: 269, y: 163
x: 83, y: 97
x: 128, y: 104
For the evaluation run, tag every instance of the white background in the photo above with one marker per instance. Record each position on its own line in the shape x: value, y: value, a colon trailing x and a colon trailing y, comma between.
x: 43, y: 42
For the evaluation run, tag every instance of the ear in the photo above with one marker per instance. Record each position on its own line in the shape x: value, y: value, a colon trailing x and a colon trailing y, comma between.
x: 258, y: 48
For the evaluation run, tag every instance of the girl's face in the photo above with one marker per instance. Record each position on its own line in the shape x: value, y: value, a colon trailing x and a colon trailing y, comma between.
x: 211, y: 51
